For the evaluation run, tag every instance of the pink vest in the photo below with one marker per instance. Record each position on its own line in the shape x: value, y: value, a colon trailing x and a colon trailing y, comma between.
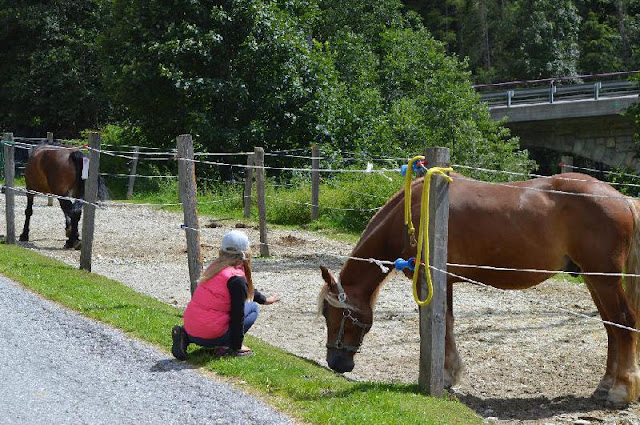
x: 209, y: 312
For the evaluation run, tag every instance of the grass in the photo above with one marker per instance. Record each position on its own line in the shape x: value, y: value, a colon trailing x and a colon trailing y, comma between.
x: 346, y: 203
x: 294, y: 385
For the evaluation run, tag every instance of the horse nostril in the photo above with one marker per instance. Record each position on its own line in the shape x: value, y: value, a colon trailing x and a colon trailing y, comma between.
x: 340, y: 362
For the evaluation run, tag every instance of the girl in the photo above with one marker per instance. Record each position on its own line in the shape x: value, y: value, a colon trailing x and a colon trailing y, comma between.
x: 225, y: 303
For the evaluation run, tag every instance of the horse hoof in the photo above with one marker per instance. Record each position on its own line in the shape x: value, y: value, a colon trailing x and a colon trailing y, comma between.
x: 77, y: 245
x: 24, y: 238
x: 621, y: 395
x: 600, y: 394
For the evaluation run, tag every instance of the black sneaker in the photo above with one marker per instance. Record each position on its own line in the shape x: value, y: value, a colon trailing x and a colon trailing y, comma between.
x: 180, y: 343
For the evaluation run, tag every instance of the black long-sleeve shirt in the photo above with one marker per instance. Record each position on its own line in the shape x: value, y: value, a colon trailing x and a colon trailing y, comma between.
x: 238, y: 289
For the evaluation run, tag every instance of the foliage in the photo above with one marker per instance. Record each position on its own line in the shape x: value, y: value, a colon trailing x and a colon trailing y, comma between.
x: 598, y: 46
x: 233, y: 74
x: 288, y: 205
x: 547, y: 45
x: 359, y: 197
x: 633, y: 112
x: 625, y: 180
x: 518, y: 39
x: 118, y: 144
x: 49, y: 71
x: 356, y: 76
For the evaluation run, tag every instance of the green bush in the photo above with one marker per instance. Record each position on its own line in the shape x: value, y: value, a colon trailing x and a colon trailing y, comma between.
x: 223, y: 200
x: 289, y: 205
x: 357, y: 197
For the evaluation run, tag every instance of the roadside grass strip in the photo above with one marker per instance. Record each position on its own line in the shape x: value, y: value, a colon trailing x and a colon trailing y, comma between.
x: 300, y: 388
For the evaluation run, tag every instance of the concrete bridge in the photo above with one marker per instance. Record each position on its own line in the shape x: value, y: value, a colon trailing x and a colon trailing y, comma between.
x: 584, y: 119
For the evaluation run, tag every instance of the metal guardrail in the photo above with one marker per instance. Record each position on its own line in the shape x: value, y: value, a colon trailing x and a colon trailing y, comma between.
x: 553, y: 90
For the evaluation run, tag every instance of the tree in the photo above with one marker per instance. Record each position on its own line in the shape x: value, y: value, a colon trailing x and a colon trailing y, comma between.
x: 432, y: 101
x: 599, y: 47
x: 49, y: 73
x: 548, y: 45
x: 353, y: 75
x: 236, y: 74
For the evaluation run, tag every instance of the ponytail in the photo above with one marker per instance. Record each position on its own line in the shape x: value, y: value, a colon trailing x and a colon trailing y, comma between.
x: 225, y: 260
x: 247, y: 273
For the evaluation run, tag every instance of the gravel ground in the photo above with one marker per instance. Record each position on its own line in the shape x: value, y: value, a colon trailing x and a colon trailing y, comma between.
x: 526, y: 362
x: 57, y: 367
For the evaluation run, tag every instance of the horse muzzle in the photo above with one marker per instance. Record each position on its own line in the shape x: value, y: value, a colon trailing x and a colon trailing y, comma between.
x: 339, y: 360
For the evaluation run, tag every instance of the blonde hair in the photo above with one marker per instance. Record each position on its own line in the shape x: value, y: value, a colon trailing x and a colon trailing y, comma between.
x: 226, y: 259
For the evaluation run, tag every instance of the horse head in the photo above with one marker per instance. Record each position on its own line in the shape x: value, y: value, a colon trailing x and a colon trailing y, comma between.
x: 348, y: 318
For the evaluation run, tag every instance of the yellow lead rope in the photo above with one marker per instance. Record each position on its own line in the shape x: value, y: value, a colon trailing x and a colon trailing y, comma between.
x: 423, y: 228
x: 407, y: 195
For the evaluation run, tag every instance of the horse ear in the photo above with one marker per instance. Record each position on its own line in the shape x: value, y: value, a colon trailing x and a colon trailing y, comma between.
x: 326, y: 275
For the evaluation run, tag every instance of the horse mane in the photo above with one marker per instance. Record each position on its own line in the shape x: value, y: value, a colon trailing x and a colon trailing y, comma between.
x: 376, y: 221
x: 380, y: 216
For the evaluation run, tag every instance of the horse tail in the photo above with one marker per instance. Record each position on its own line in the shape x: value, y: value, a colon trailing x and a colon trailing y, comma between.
x: 76, y: 157
x: 103, y: 191
x: 632, y: 268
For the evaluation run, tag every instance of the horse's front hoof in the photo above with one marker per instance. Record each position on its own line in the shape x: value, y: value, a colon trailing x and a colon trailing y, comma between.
x: 618, y: 398
x: 24, y: 238
x: 77, y: 245
x: 621, y: 395
x: 602, y: 392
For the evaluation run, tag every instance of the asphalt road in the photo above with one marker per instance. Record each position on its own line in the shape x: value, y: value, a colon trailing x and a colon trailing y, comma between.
x: 58, y: 367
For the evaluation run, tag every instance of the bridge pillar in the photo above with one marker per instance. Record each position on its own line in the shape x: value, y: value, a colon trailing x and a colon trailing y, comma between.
x: 605, y: 139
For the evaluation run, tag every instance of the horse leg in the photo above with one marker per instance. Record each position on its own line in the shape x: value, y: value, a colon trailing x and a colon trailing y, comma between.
x: 65, y: 205
x: 626, y: 383
x: 24, y: 236
x: 67, y: 209
x: 452, y: 361
x: 76, y: 212
x: 609, y: 375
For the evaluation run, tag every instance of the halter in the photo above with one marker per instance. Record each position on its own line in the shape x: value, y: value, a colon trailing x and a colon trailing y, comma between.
x: 347, y: 313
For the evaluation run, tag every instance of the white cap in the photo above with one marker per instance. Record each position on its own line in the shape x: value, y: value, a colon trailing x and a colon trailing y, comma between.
x: 235, y: 242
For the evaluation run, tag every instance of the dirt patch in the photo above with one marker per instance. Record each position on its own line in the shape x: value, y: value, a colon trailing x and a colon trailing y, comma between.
x: 526, y: 361
x: 291, y: 240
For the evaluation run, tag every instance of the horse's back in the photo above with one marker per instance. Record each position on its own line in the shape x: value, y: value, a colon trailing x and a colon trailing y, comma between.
x: 52, y: 170
x: 536, y: 224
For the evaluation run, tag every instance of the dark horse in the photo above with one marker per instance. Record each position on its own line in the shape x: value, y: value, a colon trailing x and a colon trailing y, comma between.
x: 58, y: 171
x: 558, y: 223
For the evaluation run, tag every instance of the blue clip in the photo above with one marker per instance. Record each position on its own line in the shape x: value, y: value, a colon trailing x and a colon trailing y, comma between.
x: 182, y: 226
x: 401, y: 264
x: 418, y: 168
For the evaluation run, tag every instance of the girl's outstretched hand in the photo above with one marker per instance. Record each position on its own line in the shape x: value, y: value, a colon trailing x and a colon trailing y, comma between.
x: 272, y: 299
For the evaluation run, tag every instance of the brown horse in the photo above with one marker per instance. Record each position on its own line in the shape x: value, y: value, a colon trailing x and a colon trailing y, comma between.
x: 565, y: 222
x: 58, y: 171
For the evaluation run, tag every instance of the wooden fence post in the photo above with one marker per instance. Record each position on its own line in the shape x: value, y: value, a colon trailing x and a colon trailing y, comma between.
x: 90, y: 196
x: 9, y: 173
x: 50, y: 142
x: 566, y: 164
x: 315, y: 181
x: 248, y: 184
x: 433, y: 316
x: 262, y: 206
x: 132, y: 172
x: 187, y: 189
